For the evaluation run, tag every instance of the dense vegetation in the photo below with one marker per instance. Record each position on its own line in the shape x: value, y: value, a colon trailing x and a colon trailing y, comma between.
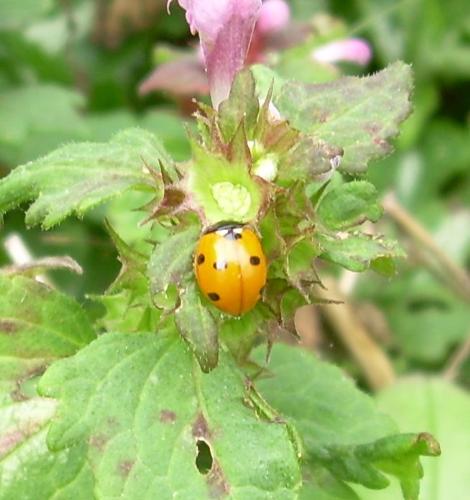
x: 117, y: 377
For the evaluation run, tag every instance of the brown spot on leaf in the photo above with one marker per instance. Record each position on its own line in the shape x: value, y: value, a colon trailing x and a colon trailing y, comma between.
x: 18, y: 396
x: 167, y: 416
x: 125, y: 467
x: 382, y: 143
x: 218, y: 485
x: 216, y: 481
x: 112, y: 423
x: 200, y: 427
x: 8, y: 327
x: 372, y: 128
x: 17, y: 393
x: 98, y: 441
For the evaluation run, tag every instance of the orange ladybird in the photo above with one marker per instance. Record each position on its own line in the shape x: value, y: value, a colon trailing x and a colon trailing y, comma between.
x: 231, y: 267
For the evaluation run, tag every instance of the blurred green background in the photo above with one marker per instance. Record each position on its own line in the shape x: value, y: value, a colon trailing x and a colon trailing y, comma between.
x: 70, y: 70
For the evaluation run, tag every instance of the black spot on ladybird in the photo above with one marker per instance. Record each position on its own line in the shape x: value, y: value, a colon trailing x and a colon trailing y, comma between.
x: 214, y: 296
x: 254, y: 260
x: 220, y: 265
x: 200, y: 258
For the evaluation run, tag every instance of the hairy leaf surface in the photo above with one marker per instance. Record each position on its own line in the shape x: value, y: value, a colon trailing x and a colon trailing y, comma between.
x: 37, y: 325
x: 359, y: 115
x: 143, y: 438
x: 341, y: 428
x: 77, y: 177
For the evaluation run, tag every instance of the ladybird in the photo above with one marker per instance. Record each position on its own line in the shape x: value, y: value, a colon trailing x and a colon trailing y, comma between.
x: 230, y: 267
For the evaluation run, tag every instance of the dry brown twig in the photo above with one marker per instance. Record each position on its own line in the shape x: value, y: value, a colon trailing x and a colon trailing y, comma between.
x: 452, y: 369
x: 372, y: 360
x: 455, y: 276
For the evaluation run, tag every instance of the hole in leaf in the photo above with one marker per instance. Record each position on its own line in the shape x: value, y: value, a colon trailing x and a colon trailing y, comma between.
x: 204, y: 457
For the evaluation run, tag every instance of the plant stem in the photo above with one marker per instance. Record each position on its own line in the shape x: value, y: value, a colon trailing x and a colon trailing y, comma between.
x: 372, y: 360
x: 20, y: 255
x: 456, y: 276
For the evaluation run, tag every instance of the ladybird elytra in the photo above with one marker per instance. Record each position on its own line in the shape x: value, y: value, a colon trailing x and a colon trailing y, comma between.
x: 231, y: 267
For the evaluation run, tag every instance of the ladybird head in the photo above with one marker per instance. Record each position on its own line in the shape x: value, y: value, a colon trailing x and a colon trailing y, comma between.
x: 223, y: 225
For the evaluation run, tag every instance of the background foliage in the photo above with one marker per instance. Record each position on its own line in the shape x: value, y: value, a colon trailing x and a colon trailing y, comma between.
x: 69, y: 71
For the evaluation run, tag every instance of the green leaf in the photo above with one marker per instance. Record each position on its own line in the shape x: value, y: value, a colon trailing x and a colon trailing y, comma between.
x: 349, y: 205
x: 358, y: 252
x: 223, y: 190
x: 425, y: 103
x: 15, y: 14
x: 37, y: 322
x: 340, y: 426
x: 36, y: 118
x: 27, y: 468
x: 22, y: 58
x: 437, y: 46
x: 398, y: 455
x: 145, y: 408
x: 37, y: 325
x: 79, y: 176
x: 266, y: 77
x: 171, y: 259
x: 290, y: 302
x: 431, y: 178
x: 240, y: 333
x: 198, y: 327
x: 427, y: 330
x: 127, y: 302
x: 125, y: 311
x: 166, y: 125
x: 308, y: 160
x: 39, y: 108
x: 320, y: 484
x: 359, y: 115
x: 242, y: 104
x: 133, y: 265
x: 439, y: 407
x: 426, y: 318
x: 296, y: 62
x: 299, y: 263
x: 322, y: 401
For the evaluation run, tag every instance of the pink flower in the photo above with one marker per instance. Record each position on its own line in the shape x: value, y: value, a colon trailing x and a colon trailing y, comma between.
x: 182, y: 77
x: 225, y: 29
x: 185, y: 76
x: 273, y: 16
x: 353, y: 50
